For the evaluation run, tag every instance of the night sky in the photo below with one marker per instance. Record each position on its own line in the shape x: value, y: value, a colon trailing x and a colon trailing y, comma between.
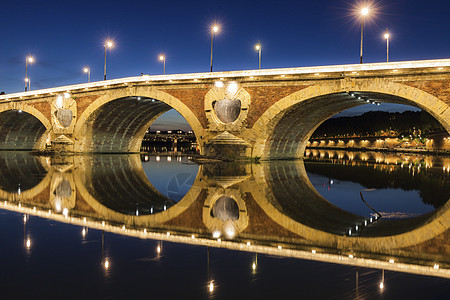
x: 65, y: 36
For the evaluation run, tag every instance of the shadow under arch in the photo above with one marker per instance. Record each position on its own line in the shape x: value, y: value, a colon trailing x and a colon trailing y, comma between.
x: 22, y: 176
x: 285, y: 128
x: 118, y: 120
x: 306, y: 220
x: 112, y: 185
x: 22, y: 127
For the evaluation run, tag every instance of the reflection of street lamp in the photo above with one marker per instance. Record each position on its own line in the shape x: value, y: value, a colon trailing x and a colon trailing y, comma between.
x: 258, y: 48
x: 109, y: 44
x: 382, y: 280
x: 28, y: 59
x: 387, y: 36
x: 162, y: 58
x: 364, y: 13
x: 87, y: 70
x: 214, y: 30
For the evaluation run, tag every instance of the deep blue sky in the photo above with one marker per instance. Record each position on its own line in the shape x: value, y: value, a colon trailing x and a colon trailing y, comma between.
x: 65, y: 36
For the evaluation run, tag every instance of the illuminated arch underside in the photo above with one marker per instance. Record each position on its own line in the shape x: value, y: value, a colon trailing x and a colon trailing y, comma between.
x: 19, y: 130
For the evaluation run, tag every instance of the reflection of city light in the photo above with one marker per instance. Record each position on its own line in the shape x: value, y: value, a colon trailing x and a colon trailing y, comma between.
x: 106, y: 264
x: 24, y: 218
x: 83, y: 232
x: 211, y: 286
x: 254, y: 266
x: 381, y: 285
x: 158, y: 249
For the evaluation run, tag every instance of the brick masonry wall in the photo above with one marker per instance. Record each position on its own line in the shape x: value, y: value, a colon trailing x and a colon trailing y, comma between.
x: 438, y: 88
x: 194, y: 99
x: 262, y: 97
x: 44, y: 108
x: 84, y: 102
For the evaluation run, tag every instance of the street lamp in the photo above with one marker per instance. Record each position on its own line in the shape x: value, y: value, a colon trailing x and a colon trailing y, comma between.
x: 387, y: 36
x: 87, y: 70
x: 28, y: 59
x: 108, y: 44
x: 258, y: 48
x: 214, y: 30
x: 364, y: 13
x: 162, y: 58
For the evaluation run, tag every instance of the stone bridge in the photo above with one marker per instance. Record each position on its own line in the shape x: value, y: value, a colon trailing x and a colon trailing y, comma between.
x: 268, y: 114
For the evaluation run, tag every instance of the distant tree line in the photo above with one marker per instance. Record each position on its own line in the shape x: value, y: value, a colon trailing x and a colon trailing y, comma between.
x: 380, y: 123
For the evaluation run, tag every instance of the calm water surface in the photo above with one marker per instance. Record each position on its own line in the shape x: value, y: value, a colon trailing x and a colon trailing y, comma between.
x: 136, y: 227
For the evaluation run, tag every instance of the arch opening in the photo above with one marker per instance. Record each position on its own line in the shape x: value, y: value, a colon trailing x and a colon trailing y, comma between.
x: 291, y: 129
x: 20, y: 130
x: 120, y: 125
x: 170, y: 133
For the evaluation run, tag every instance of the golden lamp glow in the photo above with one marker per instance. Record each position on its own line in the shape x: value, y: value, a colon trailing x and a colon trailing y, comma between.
x: 215, y: 28
x: 109, y: 44
x: 161, y: 57
x: 30, y: 59
x: 258, y: 46
x: 86, y: 69
x: 386, y: 35
x: 365, y: 11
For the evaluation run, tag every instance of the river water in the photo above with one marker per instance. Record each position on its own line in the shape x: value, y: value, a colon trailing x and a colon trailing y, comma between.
x: 335, y: 225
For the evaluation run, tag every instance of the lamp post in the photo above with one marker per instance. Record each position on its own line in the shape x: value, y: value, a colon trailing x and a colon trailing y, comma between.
x: 109, y: 44
x: 87, y: 70
x: 28, y: 59
x: 387, y: 36
x: 214, y: 30
x: 162, y: 58
x: 364, y: 13
x: 258, y: 48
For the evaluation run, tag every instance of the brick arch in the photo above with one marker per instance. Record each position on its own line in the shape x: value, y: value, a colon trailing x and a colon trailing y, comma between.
x: 283, y: 130
x: 38, y: 131
x: 84, y: 135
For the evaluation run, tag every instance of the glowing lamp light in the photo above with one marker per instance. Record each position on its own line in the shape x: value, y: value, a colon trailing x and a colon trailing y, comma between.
x: 365, y: 11
x: 161, y: 57
x: 109, y: 44
x: 30, y: 59
x: 211, y: 286
x: 257, y: 47
x: 386, y: 35
x: 219, y: 84
x: 28, y: 243
x: 254, y: 266
x: 215, y: 28
x: 381, y: 285
x: 106, y: 265
x: 158, y: 249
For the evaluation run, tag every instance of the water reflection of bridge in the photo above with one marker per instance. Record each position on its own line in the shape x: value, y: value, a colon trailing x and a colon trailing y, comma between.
x: 269, y: 208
